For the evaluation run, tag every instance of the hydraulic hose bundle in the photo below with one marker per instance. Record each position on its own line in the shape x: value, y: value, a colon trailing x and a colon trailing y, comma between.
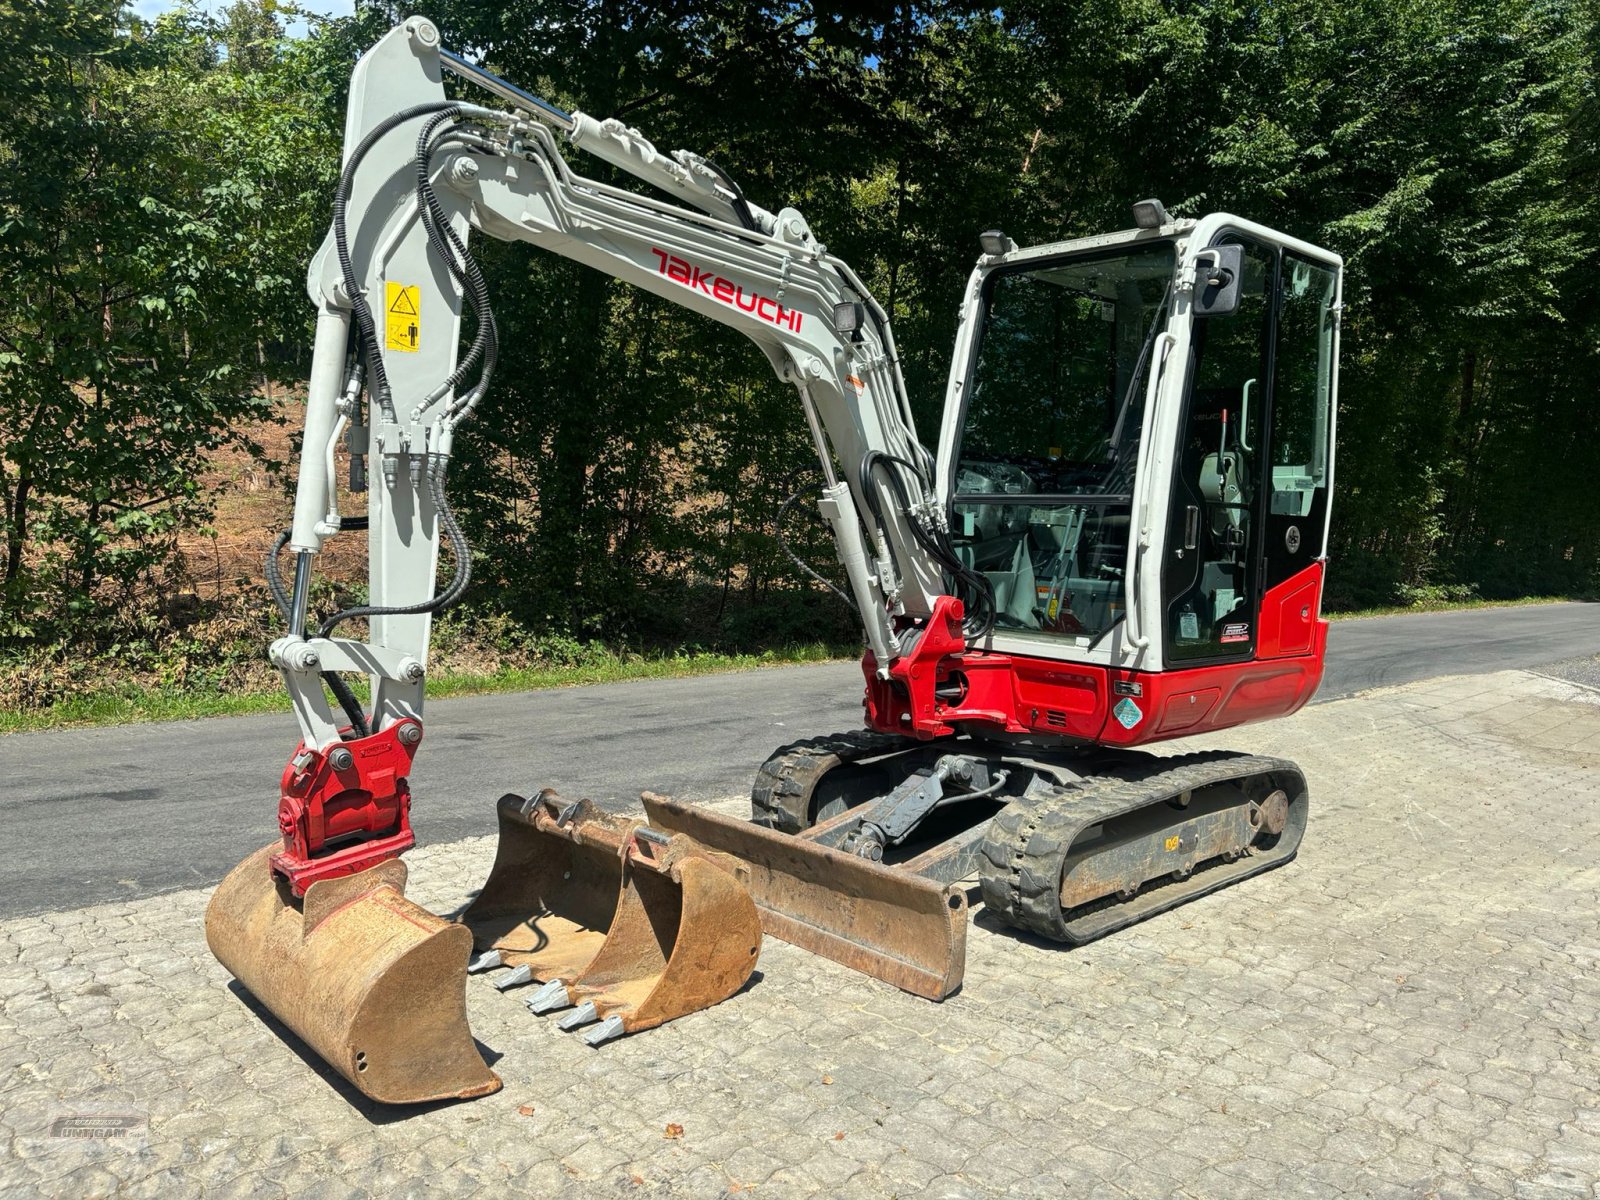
x: 972, y: 587
x: 481, y: 355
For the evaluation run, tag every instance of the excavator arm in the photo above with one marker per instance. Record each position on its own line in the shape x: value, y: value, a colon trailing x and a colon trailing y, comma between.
x: 422, y: 176
x: 628, y: 924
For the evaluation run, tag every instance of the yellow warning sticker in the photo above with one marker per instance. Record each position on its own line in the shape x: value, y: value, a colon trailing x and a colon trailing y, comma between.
x: 402, y: 322
x: 1172, y: 844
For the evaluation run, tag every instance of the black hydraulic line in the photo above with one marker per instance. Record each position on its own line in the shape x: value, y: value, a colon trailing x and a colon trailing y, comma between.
x: 741, y: 206
x: 783, y: 542
x: 445, y: 599
x: 280, y: 596
x: 366, y: 330
x: 980, y: 599
x: 279, y: 593
x: 463, y: 268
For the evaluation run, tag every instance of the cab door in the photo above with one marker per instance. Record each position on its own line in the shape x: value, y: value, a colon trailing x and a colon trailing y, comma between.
x: 1211, y: 577
x: 1249, y: 511
x: 1298, y: 454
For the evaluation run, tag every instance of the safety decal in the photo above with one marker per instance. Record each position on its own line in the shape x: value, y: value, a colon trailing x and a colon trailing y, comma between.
x: 1127, y: 713
x: 402, y: 322
x: 1235, y: 633
x: 856, y: 384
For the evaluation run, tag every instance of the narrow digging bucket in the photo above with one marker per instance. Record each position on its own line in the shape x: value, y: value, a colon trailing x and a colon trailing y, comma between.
x: 370, y: 981
x: 552, y: 893
x: 632, y: 927
x: 683, y: 939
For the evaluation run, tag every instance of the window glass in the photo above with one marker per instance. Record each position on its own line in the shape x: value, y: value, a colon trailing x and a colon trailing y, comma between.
x: 1304, y: 380
x: 1051, y: 436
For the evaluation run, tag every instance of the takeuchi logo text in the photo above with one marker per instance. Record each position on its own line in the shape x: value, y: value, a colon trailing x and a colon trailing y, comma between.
x: 765, y: 308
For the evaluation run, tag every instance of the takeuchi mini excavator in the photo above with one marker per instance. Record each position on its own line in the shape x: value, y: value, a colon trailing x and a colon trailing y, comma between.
x: 1119, y: 540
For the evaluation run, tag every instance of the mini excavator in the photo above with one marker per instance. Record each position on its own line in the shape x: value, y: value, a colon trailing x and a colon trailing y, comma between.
x: 1119, y: 539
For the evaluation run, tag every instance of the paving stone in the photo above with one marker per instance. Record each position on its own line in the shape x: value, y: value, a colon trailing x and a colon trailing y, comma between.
x: 1407, y: 1010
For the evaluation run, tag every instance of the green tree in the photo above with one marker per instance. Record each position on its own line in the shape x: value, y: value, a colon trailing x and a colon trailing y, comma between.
x: 155, y: 207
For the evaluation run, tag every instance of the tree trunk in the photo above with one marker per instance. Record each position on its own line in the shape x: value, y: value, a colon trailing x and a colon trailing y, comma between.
x: 16, y: 530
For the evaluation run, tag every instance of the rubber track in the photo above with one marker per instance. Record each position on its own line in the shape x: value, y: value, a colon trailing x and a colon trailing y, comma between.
x: 781, y: 796
x: 1022, y: 855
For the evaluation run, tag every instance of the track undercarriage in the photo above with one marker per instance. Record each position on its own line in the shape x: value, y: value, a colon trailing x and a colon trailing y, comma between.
x: 1066, y: 844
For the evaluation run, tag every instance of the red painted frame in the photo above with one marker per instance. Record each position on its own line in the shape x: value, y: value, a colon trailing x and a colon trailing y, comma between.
x: 1089, y: 704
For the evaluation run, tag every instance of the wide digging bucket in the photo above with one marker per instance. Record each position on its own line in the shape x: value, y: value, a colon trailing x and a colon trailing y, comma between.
x: 628, y: 927
x: 370, y: 981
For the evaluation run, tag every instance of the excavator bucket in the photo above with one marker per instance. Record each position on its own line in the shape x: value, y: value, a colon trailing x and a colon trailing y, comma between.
x: 552, y: 893
x: 370, y: 981
x: 624, y: 925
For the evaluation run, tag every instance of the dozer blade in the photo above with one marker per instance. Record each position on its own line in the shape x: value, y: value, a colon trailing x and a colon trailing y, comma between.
x: 628, y: 927
x: 894, y: 925
x: 370, y: 981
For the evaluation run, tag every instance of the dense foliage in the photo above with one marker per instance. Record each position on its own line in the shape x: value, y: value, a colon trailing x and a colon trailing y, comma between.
x: 161, y: 186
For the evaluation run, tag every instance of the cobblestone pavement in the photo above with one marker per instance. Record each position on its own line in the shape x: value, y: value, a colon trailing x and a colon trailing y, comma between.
x: 1410, y: 1009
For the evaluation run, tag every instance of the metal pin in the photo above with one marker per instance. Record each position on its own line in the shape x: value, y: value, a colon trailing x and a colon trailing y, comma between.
x: 608, y: 1029
x: 550, y: 997
x: 520, y: 975
x: 486, y: 961
x: 584, y: 1014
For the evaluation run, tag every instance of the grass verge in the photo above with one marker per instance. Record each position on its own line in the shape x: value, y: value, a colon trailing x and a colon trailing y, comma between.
x: 1433, y: 606
x: 132, y: 704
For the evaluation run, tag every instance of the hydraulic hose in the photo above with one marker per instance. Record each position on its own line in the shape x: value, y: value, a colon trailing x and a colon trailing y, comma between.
x: 442, y: 240
x: 783, y: 542
x: 366, y: 330
x: 980, y: 599
x: 280, y: 596
x: 459, y: 549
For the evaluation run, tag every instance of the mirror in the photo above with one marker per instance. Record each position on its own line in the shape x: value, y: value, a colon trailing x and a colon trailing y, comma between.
x: 1219, y: 272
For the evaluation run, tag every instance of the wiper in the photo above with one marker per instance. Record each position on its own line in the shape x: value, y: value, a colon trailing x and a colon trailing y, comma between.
x: 1133, y: 380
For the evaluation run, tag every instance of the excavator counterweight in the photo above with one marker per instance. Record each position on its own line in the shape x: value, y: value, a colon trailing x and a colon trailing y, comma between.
x: 1118, y: 539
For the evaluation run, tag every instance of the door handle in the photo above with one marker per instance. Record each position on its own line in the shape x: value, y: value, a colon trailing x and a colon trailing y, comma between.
x: 1191, y: 527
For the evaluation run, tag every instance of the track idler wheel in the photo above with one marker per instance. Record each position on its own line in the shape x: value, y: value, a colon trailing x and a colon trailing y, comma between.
x: 370, y: 981
x: 627, y: 927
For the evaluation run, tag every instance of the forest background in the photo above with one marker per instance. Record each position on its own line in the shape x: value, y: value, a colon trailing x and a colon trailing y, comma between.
x: 163, y: 183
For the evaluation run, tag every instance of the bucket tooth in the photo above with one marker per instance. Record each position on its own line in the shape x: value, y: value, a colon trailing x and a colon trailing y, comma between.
x: 584, y: 1014
x: 548, y: 998
x: 514, y: 978
x: 486, y: 961
x: 604, y: 1032
x: 373, y: 983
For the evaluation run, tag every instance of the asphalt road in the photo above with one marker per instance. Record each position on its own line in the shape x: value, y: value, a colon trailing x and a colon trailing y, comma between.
x: 92, y: 815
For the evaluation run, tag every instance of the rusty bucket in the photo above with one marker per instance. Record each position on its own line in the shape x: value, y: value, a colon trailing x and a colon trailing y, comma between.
x: 370, y: 981
x: 627, y: 927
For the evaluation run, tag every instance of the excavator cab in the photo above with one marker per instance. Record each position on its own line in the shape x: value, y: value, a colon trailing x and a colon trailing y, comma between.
x: 1050, y: 437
